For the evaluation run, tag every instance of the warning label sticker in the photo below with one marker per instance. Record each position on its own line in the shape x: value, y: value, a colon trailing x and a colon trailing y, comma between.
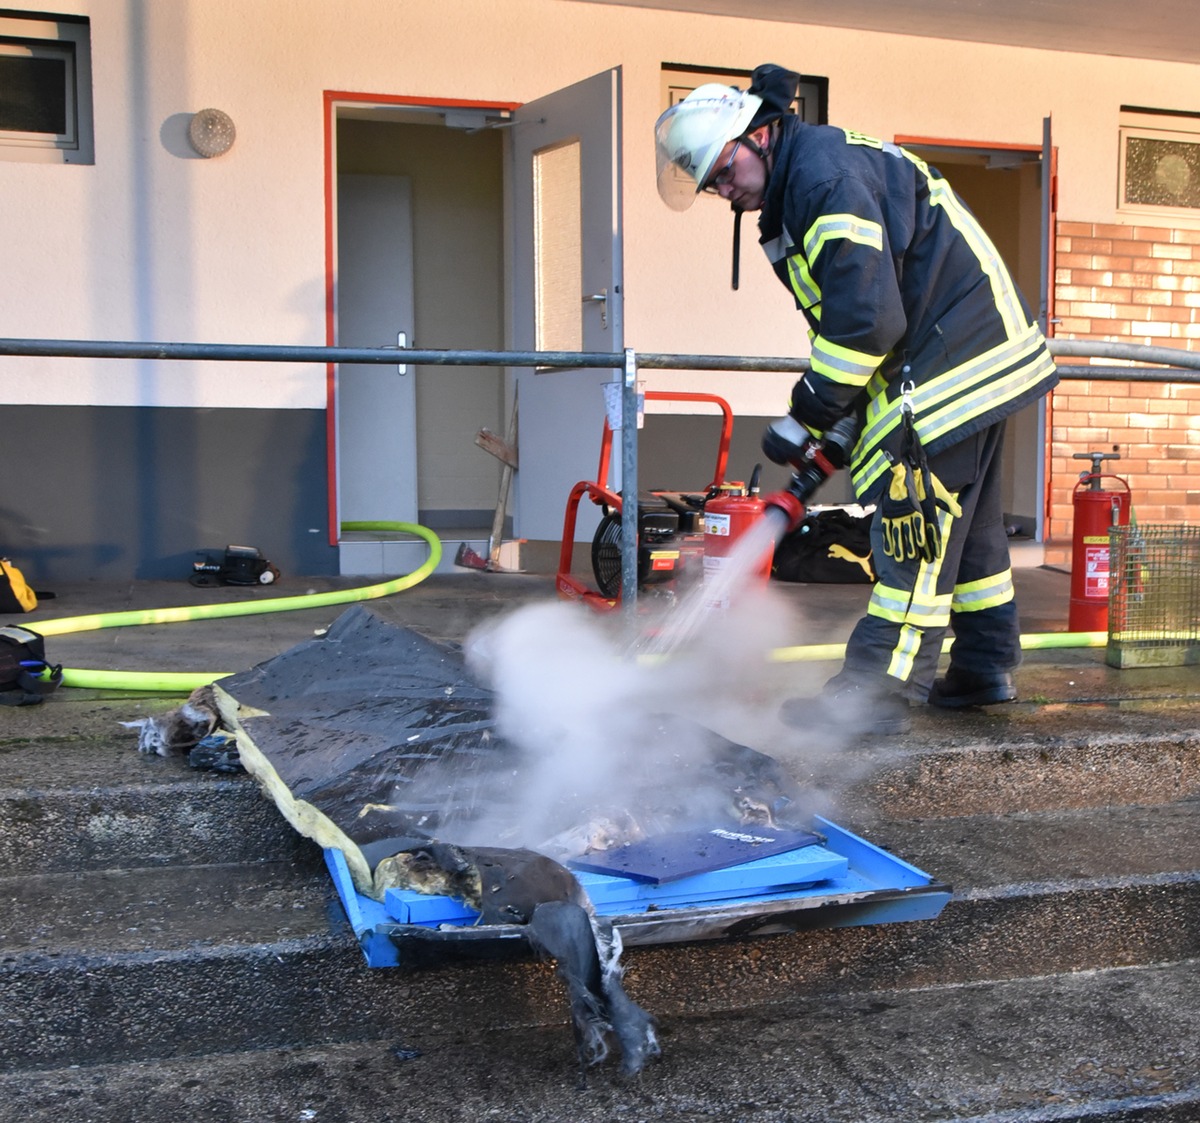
x: 1095, y: 573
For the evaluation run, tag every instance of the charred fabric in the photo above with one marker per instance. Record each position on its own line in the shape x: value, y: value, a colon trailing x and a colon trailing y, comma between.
x: 379, y: 742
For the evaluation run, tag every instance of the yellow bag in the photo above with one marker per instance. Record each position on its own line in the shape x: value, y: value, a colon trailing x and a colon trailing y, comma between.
x: 15, y: 594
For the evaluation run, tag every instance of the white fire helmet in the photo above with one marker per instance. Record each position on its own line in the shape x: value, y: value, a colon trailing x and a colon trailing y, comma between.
x: 689, y: 137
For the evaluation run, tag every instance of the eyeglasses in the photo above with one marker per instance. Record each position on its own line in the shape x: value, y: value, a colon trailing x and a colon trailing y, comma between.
x: 725, y: 175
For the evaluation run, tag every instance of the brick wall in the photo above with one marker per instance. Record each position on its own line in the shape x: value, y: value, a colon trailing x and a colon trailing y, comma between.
x: 1126, y: 284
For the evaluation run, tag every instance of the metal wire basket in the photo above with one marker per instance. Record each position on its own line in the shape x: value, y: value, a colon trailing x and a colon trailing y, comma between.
x: 1154, y: 596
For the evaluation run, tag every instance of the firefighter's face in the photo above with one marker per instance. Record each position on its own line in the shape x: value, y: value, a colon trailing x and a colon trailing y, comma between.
x: 741, y: 173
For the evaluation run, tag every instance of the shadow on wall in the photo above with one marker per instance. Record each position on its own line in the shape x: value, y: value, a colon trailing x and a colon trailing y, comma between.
x: 173, y: 135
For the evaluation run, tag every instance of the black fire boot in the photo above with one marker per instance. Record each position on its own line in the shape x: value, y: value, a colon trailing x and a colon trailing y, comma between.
x: 855, y: 708
x: 960, y: 689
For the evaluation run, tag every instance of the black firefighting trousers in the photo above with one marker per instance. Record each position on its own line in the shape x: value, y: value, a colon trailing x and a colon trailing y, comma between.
x: 968, y: 587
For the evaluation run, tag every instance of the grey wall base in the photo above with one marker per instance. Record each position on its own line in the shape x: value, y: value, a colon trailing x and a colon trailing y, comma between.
x: 118, y: 492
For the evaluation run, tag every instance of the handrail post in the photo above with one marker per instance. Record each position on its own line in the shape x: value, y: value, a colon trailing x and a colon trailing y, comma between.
x: 629, y: 487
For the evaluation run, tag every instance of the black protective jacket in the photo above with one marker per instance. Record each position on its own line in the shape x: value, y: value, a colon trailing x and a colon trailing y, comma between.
x: 901, y: 288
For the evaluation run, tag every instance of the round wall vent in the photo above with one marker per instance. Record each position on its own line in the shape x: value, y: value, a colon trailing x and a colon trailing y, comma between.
x: 211, y: 133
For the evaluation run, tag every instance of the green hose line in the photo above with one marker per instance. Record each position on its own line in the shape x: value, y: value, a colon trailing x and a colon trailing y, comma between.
x: 1048, y: 641
x: 1035, y: 641
x: 142, y: 682
x: 185, y: 682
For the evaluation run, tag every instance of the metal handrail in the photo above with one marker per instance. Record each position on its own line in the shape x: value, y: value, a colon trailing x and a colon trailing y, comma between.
x: 1174, y: 365
x: 1169, y: 365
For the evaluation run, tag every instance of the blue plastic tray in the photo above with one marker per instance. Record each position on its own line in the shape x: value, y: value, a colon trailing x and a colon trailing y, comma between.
x: 845, y: 881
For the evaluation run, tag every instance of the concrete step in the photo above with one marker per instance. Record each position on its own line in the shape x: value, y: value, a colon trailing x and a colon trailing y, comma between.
x: 137, y: 964
x: 1023, y: 757
x: 988, y: 855
x: 90, y: 801
x: 1112, y: 1045
x: 93, y: 804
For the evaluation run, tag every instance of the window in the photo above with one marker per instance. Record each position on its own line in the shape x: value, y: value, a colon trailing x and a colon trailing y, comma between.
x: 558, y: 247
x: 45, y: 89
x: 1160, y: 163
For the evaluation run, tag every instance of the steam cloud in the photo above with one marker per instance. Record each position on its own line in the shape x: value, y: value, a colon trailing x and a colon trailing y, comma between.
x: 615, y: 743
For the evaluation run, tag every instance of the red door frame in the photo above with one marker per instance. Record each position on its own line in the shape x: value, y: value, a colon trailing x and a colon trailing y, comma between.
x: 332, y: 99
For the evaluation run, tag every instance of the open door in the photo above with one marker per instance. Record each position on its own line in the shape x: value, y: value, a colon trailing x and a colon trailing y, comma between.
x: 567, y: 289
x: 1008, y: 187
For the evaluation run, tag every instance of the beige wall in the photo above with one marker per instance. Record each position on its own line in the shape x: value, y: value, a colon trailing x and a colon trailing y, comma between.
x: 151, y: 243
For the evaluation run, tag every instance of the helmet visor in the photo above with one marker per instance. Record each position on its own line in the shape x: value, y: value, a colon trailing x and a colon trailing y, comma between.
x: 689, y: 137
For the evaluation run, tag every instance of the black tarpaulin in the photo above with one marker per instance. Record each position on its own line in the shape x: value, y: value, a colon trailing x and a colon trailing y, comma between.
x: 372, y: 737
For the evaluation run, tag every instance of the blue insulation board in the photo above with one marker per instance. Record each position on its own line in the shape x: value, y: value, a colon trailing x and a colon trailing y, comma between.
x: 845, y: 870
x: 687, y: 855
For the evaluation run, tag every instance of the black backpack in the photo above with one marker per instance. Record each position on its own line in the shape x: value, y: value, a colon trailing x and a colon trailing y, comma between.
x: 22, y: 662
x: 831, y: 547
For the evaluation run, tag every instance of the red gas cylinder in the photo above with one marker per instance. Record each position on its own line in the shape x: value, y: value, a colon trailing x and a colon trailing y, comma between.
x: 1096, y: 508
x: 738, y: 545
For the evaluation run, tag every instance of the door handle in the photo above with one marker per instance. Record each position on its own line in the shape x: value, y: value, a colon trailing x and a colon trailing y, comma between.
x: 600, y: 298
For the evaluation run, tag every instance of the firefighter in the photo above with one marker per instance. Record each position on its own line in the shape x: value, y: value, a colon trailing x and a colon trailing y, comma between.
x: 919, y: 333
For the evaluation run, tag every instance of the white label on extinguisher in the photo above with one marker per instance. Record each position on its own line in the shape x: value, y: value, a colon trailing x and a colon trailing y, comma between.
x: 716, y: 523
x: 715, y: 566
x: 717, y: 574
x: 1095, y: 571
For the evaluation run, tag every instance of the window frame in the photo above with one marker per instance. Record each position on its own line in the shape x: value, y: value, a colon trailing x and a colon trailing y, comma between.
x: 61, y: 37
x: 1155, y: 125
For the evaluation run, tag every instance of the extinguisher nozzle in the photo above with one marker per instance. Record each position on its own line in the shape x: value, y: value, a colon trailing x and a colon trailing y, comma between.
x: 787, y: 505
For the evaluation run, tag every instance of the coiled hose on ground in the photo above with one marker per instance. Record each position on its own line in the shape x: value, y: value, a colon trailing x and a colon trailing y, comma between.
x: 182, y: 682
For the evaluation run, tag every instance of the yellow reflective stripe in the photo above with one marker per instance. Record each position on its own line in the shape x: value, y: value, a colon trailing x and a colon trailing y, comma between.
x: 854, y: 229
x: 916, y: 611
x: 984, y: 397
x: 904, y: 654
x: 1004, y: 294
x: 902, y: 610
x: 807, y: 291
x: 969, y: 387
x: 888, y: 603
x: 917, y: 607
x: 932, y: 610
x: 923, y: 609
x: 988, y: 592
x: 952, y: 398
x: 843, y: 364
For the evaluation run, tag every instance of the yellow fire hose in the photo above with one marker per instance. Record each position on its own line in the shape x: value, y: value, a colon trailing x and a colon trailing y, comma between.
x: 183, y: 682
x: 1035, y: 641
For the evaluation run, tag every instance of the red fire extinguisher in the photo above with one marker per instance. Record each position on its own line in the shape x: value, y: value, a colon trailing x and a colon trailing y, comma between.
x: 1095, y: 509
x: 728, y: 518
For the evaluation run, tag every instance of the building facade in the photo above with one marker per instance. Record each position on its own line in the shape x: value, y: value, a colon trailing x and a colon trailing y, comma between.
x: 462, y: 177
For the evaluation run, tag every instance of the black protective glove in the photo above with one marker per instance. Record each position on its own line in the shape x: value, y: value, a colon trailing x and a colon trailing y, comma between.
x: 813, y: 412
